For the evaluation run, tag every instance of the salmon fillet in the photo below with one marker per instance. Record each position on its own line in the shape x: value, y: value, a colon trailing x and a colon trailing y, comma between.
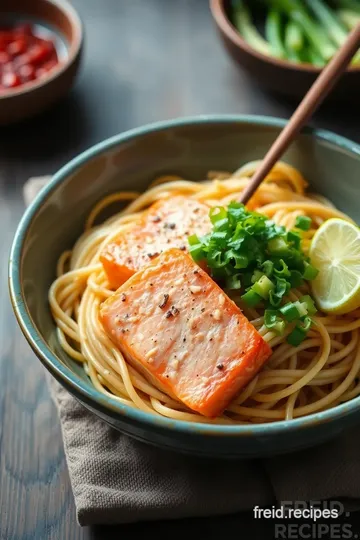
x: 166, y: 224
x: 173, y: 323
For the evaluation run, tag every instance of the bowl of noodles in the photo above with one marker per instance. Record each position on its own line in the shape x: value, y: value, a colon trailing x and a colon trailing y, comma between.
x: 182, y: 318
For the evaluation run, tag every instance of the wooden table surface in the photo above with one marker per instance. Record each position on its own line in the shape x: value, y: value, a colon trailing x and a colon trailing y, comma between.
x: 145, y: 60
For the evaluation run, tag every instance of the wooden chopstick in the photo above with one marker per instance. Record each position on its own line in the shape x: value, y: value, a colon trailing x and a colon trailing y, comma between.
x: 313, y: 98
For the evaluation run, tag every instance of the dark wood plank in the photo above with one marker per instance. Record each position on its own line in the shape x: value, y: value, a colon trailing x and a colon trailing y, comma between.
x: 144, y: 61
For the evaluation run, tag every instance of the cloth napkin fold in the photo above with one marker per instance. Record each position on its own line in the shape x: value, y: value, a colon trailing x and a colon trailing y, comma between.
x: 116, y: 479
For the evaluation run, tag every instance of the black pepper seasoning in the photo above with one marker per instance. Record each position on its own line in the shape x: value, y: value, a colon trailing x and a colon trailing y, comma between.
x: 174, y: 310
x: 164, y: 301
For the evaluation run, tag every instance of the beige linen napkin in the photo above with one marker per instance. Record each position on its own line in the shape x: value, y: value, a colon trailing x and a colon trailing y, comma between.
x: 116, y: 479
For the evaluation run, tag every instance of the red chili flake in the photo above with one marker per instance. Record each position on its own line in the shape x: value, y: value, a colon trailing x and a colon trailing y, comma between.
x: 152, y: 255
x: 123, y: 297
x: 220, y: 366
x: 156, y: 219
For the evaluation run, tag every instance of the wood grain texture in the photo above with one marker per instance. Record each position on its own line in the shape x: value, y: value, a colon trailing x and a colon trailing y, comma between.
x: 145, y: 60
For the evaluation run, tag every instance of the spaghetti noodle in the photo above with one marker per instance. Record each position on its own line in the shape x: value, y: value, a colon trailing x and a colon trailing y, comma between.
x: 316, y: 375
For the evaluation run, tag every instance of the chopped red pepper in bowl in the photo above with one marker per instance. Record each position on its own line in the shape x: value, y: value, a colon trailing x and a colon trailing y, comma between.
x: 25, y: 56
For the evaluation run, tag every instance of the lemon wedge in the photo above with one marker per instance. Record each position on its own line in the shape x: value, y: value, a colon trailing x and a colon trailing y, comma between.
x: 335, y: 252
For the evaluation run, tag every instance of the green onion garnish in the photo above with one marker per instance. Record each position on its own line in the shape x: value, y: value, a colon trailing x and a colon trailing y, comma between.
x: 251, y: 298
x: 303, y: 223
x: 290, y: 312
x: 263, y: 287
x: 310, y: 304
x: 248, y: 252
x: 296, y: 336
x: 310, y: 271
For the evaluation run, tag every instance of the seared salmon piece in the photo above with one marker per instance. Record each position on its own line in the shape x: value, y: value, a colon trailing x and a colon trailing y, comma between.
x: 173, y: 323
x: 168, y: 223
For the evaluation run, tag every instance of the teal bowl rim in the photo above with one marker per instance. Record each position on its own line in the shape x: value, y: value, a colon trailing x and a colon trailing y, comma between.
x: 90, y: 394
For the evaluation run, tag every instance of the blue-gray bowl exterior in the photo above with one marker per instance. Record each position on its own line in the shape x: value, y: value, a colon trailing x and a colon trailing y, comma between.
x: 189, y: 147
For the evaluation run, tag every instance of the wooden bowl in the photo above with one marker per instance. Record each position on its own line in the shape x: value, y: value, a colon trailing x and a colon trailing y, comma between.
x: 36, y: 96
x: 281, y: 76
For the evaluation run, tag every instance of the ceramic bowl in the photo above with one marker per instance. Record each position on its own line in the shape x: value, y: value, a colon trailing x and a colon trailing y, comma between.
x: 189, y: 147
x: 286, y: 78
x: 61, y: 19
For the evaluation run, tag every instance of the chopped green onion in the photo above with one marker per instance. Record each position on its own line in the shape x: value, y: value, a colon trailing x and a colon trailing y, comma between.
x: 220, y: 237
x: 296, y: 336
x: 215, y: 259
x: 273, y: 321
x: 256, y: 276
x: 281, y: 269
x: 282, y: 287
x: 303, y: 223
x: 271, y: 317
x: 251, y: 298
x: 310, y: 271
x: 279, y: 327
x: 217, y: 213
x: 267, y: 266
x: 248, y: 252
x: 196, y: 248
x: 290, y: 312
x: 241, y: 261
x: 263, y: 287
x: 278, y: 246
x: 296, y: 278
x: 307, y: 323
x: 221, y: 224
x: 310, y: 304
x: 301, y: 307
x: 294, y: 238
x: 193, y: 239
